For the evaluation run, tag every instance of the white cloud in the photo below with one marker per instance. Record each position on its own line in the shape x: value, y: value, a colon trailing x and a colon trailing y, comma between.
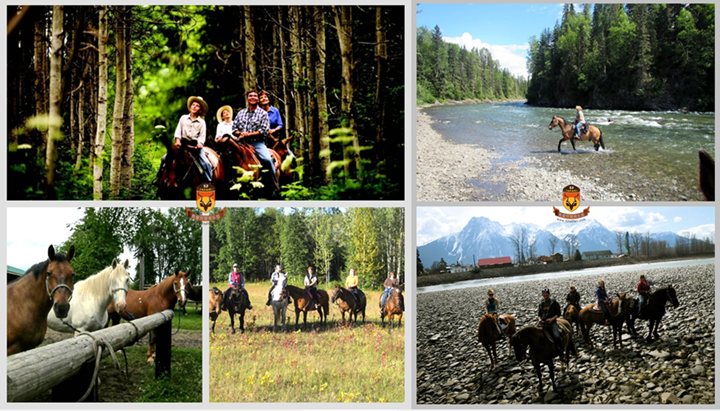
x: 677, y: 219
x: 628, y: 219
x: 700, y: 232
x: 507, y: 55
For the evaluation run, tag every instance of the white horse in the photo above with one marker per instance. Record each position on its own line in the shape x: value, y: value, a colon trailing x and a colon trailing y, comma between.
x: 279, y: 303
x: 91, y: 298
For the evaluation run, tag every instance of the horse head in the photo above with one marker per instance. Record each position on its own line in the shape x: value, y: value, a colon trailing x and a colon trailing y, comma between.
x: 555, y: 121
x: 119, y: 284
x: 179, y: 282
x: 60, y: 280
x: 335, y: 294
x: 622, y: 301
x: 673, y: 296
x: 519, y: 346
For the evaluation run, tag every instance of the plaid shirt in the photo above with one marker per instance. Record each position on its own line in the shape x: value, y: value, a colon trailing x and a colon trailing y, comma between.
x: 251, y: 121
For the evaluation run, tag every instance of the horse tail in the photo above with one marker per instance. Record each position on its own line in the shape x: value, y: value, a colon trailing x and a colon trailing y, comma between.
x: 602, y: 144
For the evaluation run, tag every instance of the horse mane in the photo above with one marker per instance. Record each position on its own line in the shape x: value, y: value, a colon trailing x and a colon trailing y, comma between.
x: 96, y: 284
x: 563, y: 119
x: 38, y: 268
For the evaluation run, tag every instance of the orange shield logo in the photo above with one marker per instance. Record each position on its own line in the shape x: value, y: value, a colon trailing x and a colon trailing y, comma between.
x: 571, y: 197
x: 205, y: 197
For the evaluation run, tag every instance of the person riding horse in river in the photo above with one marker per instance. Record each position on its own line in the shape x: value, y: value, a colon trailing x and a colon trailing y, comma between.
x: 390, y: 283
x: 603, y: 300
x: 548, y: 313
x: 351, y: 283
x: 579, y: 121
x: 235, y: 279
x: 643, y: 289
x: 491, y: 307
x: 311, y: 281
x: 572, y: 298
x: 274, y: 278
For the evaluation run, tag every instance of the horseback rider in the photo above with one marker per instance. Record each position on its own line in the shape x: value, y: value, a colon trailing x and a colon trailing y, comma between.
x: 311, y: 281
x: 572, y: 298
x: 390, y: 283
x: 548, y: 313
x: 603, y: 300
x: 491, y: 307
x: 224, y: 127
x: 236, y: 280
x: 275, y: 278
x: 579, y: 121
x: 351, y: 283
x: 643, y: 289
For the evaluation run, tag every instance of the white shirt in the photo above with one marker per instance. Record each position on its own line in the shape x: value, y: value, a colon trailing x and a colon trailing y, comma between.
x: 224, y: 128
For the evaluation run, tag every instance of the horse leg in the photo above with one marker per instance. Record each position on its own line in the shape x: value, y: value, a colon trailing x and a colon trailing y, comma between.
x: 539, y: 374
x: 572, y: 141
x: 560, y: 142
x: 232, y: 322
x: 657, y: 325
x: 151, y: 348
x: 241, y: 318
x: 304, y: 320
x: 650, y: 334
x: 551, y: 367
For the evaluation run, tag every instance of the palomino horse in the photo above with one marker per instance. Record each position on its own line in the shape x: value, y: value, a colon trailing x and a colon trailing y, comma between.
x: 159, y: 297
x: 542, y: 351
x: 653, y: 312
x: 572, y: 315
x: 590, y: 316
x: 236, y: 302
x: 594, y: 134
x: 488, y: 334
x: 392, y: 308
x: 300, y: 300
x: 706, y: 178
x: 279, y: 304
x: 215, y: 304
x: 287, y: 161
x: 183, y: 171
x: 91, y: 297
x: 45, y: 285
x: 347, y: 302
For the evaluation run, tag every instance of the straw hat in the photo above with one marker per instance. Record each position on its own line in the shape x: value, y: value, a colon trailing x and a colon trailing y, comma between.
x: 203, y: 104
x: 578, y: 108
x: 220, y: 110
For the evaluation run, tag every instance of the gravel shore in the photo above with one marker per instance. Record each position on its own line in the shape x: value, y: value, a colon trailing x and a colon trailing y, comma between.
x: 453, y: 367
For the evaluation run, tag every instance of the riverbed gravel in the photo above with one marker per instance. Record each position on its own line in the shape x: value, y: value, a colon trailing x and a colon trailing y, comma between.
x: 679, y: 368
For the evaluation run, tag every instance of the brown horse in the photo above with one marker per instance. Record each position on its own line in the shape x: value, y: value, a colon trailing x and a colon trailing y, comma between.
x: 616, y: 311
x: 300, y: 299
x: 241, y: 161
x: 215, y: 304
x: 182, y: 172
x: 542, y: 351
x: 46, y: 285
x: 347, y: 302
x: 392, y: 308
x: 287, y: 162
x: 159, y: 297
x: 488, y: 333
x: 572, y: 315
x: 594, y: 134
x: 706, y: 176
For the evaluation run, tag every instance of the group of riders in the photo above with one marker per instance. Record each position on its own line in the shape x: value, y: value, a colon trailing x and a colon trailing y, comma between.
x: 549, y: 309
x: 278, y: 278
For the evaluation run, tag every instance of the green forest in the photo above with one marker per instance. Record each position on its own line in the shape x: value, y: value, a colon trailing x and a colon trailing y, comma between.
x: 332, y: 240
x: 448, y: 71
x: 634, y: 56
x: 165, y: 240
x: 95, y: 94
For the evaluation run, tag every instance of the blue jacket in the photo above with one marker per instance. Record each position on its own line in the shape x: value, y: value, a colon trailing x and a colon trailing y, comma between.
x: 601, y: 294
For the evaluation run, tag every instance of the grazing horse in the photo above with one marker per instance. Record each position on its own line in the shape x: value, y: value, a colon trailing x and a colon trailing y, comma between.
x: 653, y: 312
x: 542, y: 351
x: 159, y: 297
x: 590, y: 316
x: 300, y: 298
x: 594, y: 134
x: 488, y: 334
x: 706, y: 178
x: 347, y: 302
x: 279, y: 304
x: 46, y: 285
x: 91, y: 297
x: 216, y: 304
x: 182, y: 171
x: 236, y: 302
x: 572, y: 315
x: 392, y: 308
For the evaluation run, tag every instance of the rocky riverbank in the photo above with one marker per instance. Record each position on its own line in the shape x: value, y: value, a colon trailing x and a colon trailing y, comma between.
x: 453, y: 368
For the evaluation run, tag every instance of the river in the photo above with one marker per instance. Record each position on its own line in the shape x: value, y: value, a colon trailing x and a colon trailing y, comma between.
x: 559, y: 274
x: 651, y: 155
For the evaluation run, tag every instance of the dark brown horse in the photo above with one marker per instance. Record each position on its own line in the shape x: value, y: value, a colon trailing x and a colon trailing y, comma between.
x: 194, y: 295
x: 348, y: 303
x: 300, y: 299
x: 572, y: 315
x: 159, y: 297
x: 46, y: 285
x: 183, y: 173
x: 287, y: 162
x: 236, y: 302
x: 653, y: 312
x: 594, y: 134
x: 616, y: 311
x: 706, y: 176
x: 542, y: 351
x: 392, y: 308
x: 488, y: 334
x: 215, y: 306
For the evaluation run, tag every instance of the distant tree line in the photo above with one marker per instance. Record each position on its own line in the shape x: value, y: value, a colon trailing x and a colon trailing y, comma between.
x: 634, y: 56
x: 448, y: 71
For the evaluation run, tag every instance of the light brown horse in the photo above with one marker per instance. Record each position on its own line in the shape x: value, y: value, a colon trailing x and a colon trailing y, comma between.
x: 488, y: 334
x: 594, y: 134
x: 706, y: 178
x: 542, y: 351
x: 216, y: 304
x: 182, y: 175
x: 348, y: 303
x: 159, y: 297
x: 300, y: 299
x: 392, y: 308
x: 572, y: 315
x: 46, y: 285
x: 616, y: 311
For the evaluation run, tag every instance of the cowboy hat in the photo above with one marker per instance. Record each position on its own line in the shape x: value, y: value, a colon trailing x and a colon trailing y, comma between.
x: 220, y: 110
x: 578, y: 108
x: 203, y: 104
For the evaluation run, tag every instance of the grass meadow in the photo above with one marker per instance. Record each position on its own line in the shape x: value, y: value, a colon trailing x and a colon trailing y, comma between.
x: 342, y: 363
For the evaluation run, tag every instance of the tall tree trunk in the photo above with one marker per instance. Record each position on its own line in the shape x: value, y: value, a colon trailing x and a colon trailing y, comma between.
x: 289, y: 125
x: 297, y: 75
x: 41, y: 98
x: 119, y: 108
x: 102, y: 104
x: 127, y: 170
x: 81, y: 128
x: 250, y: 75
x: 321, y: 92
x: 381, y: 60
x: 54, y: 133
x: 311, y: 116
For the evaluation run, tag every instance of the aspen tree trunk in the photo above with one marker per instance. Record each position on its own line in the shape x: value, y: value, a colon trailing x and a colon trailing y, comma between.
x: 119, y: 107
x: 126, y: 168
x: 40, y: 66
x: 321, y: 92
x: 297, y: 75
x: 81, y: 128
x: 289, y: 124
x: 381, y: 60
x: 102, y: 105
x: 54, y: 134
x: 311, y: 116
x: 250, y: 76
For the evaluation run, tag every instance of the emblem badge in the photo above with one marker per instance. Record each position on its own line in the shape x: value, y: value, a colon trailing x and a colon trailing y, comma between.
x: 205, y: 197
x: 571, y: 197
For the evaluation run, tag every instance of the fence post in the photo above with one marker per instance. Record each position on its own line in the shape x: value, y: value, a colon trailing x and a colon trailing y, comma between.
x: 163, y: 338
x: 72, y: 389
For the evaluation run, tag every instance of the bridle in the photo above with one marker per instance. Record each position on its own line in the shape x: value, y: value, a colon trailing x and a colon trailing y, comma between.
x: 50, y: 293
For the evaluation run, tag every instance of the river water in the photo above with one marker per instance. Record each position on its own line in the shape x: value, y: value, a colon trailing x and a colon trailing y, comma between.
x: 559, y: 274
x: 655, y: 153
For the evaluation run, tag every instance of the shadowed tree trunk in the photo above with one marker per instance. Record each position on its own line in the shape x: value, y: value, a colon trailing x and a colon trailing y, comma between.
x: 99, y: 145
x: 343, y: 23
x: 250, y: 75
x: 297, y: 75
x: 321, y: 92
x: 119, y: 107
x: 311, y: 115
x: 288, y: 102
x: 41, y: 99
x: 381, y: 61
x: 126, y: 166
x: 54, y: 134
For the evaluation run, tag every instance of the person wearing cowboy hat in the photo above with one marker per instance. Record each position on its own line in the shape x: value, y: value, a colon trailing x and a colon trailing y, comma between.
x: 236, y: 280
x: 579, y: 120
x: 224, y: 127
x: 192, y: 127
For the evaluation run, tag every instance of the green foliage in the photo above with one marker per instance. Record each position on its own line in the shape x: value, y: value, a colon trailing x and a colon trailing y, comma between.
x: 578, y: 256
x: 295, y: 245
x: 365, y: 247
x: 420, y: 267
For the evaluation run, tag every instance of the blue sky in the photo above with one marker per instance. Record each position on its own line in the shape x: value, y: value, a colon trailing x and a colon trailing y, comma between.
x: 503, y: 29
x: 436, y: 222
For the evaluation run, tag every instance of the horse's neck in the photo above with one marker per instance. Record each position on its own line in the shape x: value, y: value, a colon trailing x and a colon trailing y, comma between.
x: 165, y: 290
x: 86, y: 290
x: 33, y: 290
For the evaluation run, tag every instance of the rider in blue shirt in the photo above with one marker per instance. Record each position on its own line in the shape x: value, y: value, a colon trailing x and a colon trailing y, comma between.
x: 491, y: 307
x: 603, y: 300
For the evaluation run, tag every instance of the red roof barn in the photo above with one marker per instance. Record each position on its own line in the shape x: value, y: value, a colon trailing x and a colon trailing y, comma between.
x: 499, y: 261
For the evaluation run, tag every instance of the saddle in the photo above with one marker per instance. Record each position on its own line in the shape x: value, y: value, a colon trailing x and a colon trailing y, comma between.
x: 583, y: 129
x: 212, y: 157
x: 596, y: 308
x: 503, y: 319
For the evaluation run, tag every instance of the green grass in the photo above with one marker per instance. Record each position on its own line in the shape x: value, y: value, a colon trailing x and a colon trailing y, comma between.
x: 192, y: 321
x: 342, y: 363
